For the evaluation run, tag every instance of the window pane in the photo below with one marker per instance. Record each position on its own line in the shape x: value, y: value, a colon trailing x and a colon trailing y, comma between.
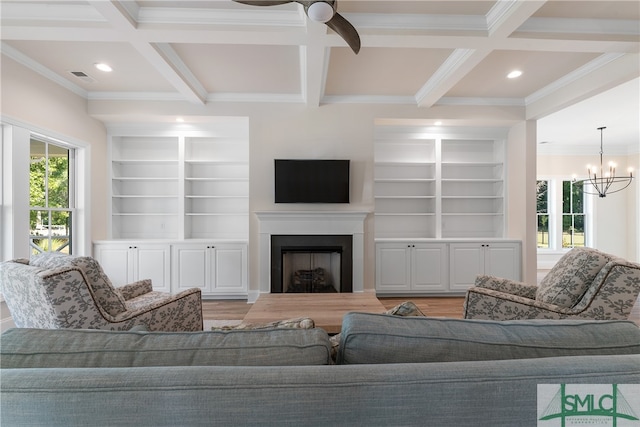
x: 49, y: 192
x: 37, y: 171
x: 543, y: 231
x: 39, y: 223
x: 58, y: 177
x: 578, y: 199
x: 578, y: 230
x: 542, y: 197
x: 567, y: 227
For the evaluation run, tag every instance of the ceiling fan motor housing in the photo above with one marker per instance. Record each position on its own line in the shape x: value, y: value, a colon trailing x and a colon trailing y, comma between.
x: 320, y: 11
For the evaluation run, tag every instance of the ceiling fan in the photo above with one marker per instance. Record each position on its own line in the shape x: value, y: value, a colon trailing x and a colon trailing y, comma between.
x: 324, y: 11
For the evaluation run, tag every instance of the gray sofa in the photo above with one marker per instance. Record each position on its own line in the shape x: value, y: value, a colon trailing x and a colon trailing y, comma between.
x: 390, y: 371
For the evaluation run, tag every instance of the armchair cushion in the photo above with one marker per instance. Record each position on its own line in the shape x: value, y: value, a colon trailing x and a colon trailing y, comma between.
x: 570, y: 278
x: 107, y: 296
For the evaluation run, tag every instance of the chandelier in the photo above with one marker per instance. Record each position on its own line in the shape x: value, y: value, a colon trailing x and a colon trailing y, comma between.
x: 606, y: 182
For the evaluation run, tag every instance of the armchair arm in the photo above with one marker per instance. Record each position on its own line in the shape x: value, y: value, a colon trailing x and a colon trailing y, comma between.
x: 135, y: 289
x: 507, y: 286
x: 481, y: 303
x: 159, y: 311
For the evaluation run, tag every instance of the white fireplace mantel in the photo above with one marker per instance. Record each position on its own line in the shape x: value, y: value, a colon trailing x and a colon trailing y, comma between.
x: 311, y: 223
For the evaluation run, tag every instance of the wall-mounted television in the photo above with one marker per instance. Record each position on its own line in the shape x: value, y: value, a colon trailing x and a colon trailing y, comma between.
x: 311, y: 181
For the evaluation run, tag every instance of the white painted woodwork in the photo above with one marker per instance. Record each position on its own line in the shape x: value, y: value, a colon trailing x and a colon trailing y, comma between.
x: 127, y: 262
x: 442, y: 266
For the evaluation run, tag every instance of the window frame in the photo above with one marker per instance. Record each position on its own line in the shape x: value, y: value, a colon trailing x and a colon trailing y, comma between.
x: 555, y: 211
x: 71, y: 202
x: 14, y: 158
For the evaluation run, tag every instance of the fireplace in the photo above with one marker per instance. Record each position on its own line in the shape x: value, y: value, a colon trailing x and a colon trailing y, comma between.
x: 309, y: 223
x: 311, y: 263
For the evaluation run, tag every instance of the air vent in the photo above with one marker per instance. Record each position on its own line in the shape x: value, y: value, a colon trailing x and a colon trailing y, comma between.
x: 83, y: 76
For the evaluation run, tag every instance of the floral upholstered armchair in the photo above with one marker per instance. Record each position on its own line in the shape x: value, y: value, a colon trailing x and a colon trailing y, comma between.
x: 54, y: 291
x: 585, y: 283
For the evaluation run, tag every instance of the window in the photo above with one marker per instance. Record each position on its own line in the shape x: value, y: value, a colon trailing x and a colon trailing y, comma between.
x: 573, y: 230
x: 542, y: 198
x: 562, y: 214
x: 51, y: 198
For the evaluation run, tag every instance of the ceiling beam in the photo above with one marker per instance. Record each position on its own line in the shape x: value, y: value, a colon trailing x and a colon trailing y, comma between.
x: 503, y: 19
x: 159, y: 57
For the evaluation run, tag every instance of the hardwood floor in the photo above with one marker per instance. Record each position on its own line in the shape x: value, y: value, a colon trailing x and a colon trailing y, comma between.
x: 431, y: 306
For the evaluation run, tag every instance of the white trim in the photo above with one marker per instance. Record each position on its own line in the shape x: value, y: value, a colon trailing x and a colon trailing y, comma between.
x: 82, y: 212
x: 311, y: 223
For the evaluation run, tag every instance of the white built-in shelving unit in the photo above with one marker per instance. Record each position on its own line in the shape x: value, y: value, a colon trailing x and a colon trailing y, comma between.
x: 437, y: 186
x: 179, y: 186
x: 440, y: 198
x: 216, y: 188
x: 179, y: 206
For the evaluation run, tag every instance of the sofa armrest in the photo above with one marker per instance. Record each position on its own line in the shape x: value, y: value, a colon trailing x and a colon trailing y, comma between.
x: 135, y: 289
x: 481, y: 303
x: 507, y: 286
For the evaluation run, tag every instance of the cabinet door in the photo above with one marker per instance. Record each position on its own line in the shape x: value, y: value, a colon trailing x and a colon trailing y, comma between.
x: 429, y: 264
x: 467, y: 261
x: 229, y: 272
x: 503, y: 260
x: 116, y: 262
x: 191, y: 267
x: 153, y: 262
x: 393, y: 267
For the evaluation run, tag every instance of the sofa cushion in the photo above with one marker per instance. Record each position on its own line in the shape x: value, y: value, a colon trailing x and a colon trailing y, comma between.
x: 108, y: 297
x: 570, y: 278
x: 374, y: 338
x: 77, y: 348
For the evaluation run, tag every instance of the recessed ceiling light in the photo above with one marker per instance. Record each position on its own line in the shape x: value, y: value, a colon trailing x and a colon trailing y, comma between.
x: 179, y: 120
x: 514, y: 74
x: 438, y: 123
x: 103, y: 67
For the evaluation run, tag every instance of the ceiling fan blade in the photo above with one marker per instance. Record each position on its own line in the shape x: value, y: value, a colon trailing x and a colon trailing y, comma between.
x: 264, y: 2
x: 346, y: 31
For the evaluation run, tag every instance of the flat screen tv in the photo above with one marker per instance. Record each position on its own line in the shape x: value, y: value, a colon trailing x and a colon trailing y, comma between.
x: 311, y: 181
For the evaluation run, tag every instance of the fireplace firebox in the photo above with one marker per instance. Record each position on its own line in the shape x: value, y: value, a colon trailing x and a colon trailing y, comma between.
x: 311, y: 263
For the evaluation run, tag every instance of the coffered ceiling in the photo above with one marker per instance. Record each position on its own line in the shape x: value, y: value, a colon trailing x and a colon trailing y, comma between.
x: 418, y: 53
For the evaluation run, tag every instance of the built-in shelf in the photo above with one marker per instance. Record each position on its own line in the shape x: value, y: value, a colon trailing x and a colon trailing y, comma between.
x: 432, y: 186
x: 179, y: 186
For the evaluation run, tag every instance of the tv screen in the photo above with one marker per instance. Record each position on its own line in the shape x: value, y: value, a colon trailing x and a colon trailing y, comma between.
x: 311, y: 181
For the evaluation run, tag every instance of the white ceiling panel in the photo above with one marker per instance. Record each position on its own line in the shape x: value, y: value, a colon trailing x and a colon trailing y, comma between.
x: 421, y: 52
x: 243, y: 68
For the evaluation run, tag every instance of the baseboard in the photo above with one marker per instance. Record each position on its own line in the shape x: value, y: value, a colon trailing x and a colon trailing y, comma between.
x: 6, y: 324
x: 253, y: 296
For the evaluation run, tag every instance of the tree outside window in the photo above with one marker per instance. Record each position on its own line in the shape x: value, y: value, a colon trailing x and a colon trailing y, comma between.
x: 573, y: 215
x: 542, y: 203
x: 50, y: 197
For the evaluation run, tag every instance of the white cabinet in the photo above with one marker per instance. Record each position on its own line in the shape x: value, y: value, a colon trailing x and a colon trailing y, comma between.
x: 218, y: 269
x: 500, y: 259
x: 125, y: 263
x: 403, y: 267
x: 442, y: 267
